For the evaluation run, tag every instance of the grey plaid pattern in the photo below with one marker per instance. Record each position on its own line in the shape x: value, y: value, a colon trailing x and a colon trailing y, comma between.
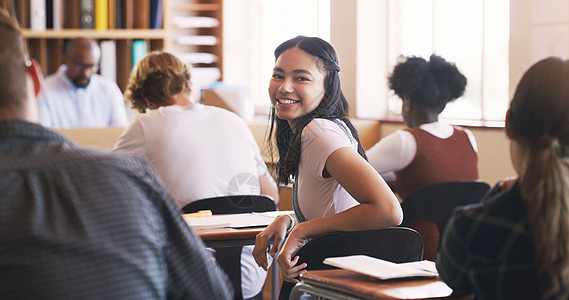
x: 79, y: 223
x: 487, y: 249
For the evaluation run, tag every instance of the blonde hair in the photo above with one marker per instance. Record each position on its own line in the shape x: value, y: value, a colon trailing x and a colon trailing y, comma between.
x: 155, y: 78
x: 538, y: 120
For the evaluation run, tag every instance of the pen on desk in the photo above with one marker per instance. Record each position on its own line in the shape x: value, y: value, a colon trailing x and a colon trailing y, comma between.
x: 199, y: 214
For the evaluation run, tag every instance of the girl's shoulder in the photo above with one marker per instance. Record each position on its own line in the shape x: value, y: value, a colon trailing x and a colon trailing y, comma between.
x: 318, y: 126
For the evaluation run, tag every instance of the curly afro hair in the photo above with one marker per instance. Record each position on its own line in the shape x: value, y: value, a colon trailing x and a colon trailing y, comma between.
x: 430, y: 84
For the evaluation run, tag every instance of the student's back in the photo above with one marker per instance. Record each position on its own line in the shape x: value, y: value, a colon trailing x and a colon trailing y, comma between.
x: 428, y: 151
x: 84, y: 224
x: 81, y: 223
x: 515, y: 245
x: 198, y: 150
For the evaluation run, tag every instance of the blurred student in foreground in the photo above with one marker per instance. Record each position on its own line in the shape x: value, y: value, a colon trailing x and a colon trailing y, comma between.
x: 515, y: 244
x: 78, y: 223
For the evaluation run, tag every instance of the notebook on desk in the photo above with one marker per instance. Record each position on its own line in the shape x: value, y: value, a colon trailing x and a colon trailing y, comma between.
x: 242, y: 220
x: 383, y: 269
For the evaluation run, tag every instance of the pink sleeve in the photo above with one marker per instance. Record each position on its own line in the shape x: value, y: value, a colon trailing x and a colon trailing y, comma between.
x: 320, y: 138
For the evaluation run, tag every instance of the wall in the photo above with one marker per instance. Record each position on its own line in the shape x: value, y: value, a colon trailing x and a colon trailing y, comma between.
x: 538, y: 28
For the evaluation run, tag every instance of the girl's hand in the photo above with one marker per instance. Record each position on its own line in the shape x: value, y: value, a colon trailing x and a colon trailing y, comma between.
x: 287, y: 259
x: 275, y: 232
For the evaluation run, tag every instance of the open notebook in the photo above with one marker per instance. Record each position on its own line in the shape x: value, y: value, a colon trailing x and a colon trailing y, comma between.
x: 242, y: 220
x: 383, y: 269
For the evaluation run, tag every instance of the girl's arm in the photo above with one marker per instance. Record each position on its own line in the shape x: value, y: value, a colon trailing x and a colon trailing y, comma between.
x: 379, y: 208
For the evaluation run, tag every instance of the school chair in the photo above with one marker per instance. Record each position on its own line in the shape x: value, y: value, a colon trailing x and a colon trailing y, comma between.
x: 229, y: 258
x: 395, y: 244
x: 429, y: 208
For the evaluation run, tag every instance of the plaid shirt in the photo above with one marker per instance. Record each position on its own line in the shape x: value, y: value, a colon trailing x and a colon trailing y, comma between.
x: 487, y: 249
x: 79, y: 223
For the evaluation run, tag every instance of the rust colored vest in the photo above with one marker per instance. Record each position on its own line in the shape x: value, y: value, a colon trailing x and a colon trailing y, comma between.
x: 438, y: 160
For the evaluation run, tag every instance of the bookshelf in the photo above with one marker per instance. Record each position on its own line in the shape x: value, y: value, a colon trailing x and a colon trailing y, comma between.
x: 124, y: 23
x: 192, y: 29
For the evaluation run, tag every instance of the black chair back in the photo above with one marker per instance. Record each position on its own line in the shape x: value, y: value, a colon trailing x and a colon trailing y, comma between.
x: 395, y: 244
x: 233, y: 204
x: 429, y: 208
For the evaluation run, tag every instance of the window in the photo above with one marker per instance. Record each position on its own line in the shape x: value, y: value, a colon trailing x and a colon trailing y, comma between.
x: 254, y: 28
x: 472, y: 34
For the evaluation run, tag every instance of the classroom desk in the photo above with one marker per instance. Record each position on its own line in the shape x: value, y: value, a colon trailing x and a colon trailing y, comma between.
x: 349, y: 285
x: 228, y: 237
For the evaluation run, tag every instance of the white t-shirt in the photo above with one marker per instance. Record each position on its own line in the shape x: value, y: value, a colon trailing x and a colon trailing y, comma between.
x: 318, y: 196
x: 201, y: 152
x: 63, y: 105
x: 397, y: 150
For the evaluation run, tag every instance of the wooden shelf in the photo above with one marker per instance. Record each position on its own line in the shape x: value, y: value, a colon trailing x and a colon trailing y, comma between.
x: 207, y: 59
x: 96, y: 34
x: 197, y: 7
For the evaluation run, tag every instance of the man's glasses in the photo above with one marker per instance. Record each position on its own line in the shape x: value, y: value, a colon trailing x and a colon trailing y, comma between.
x: 77, y: 67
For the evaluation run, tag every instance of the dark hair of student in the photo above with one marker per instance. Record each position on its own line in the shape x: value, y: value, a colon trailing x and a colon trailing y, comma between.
x: 333, y: 106
x: 13, y: 93
x: 538, y: 120
x: 429, y: 84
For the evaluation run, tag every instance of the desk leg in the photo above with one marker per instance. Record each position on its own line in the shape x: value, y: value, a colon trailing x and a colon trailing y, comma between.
x: 275, y: 280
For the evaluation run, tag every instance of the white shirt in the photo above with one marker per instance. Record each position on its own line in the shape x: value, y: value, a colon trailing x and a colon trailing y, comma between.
x: 201, y: 152
x: 63, y: 105
x: 397, y: 150
x: 318, y: 196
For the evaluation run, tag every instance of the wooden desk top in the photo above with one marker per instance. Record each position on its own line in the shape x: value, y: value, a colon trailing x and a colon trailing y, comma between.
x: 223, y: 237
x: 228, y: 233
x: 365, y: 287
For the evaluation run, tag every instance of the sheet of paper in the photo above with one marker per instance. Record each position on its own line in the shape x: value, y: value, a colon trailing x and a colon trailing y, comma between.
x: 234, y: 220
x: 274, y: 214
x: 426, y: 265
x: 431, y: 290
x: 378, y: 268
x: 206, y: 223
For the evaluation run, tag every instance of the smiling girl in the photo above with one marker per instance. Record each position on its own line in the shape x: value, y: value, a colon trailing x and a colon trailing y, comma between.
x: 335, y: 189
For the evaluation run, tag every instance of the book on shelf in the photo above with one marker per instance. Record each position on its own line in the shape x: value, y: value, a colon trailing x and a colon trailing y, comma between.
x: 111, y: 7
x: 49, y: 14
x: 141, y: 9
x: 57, y: 14
x: 139, y: 50
x: 156, y: 14
x: 37, y: 15
x: 108, y: 64
x: 71, y: 14
x: 124, y: 14
x: 101, y: 15
x: 86, y: 14
x: 54, y: 14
